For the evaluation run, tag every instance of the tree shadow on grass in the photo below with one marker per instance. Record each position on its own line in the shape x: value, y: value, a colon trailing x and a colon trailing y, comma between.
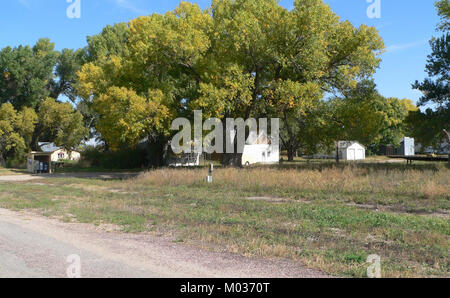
x: 371, y: 167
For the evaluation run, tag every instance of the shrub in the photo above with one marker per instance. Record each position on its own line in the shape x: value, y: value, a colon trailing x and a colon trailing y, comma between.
x: 123, y: 159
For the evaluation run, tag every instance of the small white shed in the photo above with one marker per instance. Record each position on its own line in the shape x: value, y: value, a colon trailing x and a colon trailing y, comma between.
x: 407, y: 147
x: 351, y: 150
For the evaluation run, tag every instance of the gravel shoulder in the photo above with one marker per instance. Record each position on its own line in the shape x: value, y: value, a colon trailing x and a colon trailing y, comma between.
x: 36, y: 246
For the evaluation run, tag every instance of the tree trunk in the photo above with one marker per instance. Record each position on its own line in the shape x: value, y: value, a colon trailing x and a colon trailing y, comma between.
x: 291, y: 154
x: 2, y: 161
x: 231, y: 159
x: 337, y: 152
x: 156, y: 152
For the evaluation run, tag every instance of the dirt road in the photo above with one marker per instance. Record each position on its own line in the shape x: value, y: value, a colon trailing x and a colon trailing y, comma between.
x: 35, y: 246
x: 103, y: 176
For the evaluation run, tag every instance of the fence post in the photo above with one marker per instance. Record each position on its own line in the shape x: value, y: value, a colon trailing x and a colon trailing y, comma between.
x: 209, y: 179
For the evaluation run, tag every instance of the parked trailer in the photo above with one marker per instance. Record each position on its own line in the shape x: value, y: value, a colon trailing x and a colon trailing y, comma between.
x: 410, y: 159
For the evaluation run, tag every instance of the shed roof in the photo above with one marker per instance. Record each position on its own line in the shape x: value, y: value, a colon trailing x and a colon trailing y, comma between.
x: 347, y: 144
x: 50, y: 147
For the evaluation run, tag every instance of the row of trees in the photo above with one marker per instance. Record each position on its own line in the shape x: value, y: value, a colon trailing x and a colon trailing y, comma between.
x: 31, y: 81
x: 54, y: 121
x: 236, y: 59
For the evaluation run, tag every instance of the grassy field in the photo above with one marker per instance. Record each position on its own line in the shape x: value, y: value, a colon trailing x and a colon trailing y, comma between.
x: 11, y: 172
x: 326, y: 216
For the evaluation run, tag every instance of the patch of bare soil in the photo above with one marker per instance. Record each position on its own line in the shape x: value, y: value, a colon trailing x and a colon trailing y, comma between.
x: 275, y: 200
x: 399, y: 210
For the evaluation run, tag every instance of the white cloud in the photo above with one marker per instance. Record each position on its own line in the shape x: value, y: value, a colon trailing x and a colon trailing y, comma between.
x: 405, y: 46
x: 25, y: 3
x: 129, y: 5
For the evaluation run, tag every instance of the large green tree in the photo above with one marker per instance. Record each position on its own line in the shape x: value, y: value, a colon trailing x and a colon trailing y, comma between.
x: 363, y: 114
x: 290, y: 58
x: 28, y: 75
x: 142, y: 77
x: 59, y: 123
x: 16, y: 130
x: 427, y: 126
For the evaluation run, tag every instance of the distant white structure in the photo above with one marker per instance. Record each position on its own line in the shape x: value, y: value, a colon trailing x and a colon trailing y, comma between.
x: 351, y: 150
x: 260, y: 149
x: 407, y: 147
x: 186, y: 160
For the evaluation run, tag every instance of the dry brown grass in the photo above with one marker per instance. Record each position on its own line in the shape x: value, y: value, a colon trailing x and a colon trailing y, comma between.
x: 426, y: 184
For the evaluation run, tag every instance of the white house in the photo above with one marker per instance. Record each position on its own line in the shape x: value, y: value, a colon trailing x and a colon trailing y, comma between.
x: 42, y: 161
x: 260, y: 149
x: 58, y: 153
x: 350, y: 150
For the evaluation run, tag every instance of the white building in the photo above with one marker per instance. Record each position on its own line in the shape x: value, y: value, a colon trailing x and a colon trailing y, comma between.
x: 42, y: 161
x: 350, y: 150
x: 260, y: 150
x: 185, y: 160
x: 407, y: 147
x: 58, y: 153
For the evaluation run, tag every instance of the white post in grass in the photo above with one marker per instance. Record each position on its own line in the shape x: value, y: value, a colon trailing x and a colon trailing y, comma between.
x: 209, y: 179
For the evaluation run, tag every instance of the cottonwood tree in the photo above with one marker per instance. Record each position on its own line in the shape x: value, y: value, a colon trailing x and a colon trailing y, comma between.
x: 16, y: 130
x: 59, y: 123
x: 290, y: 57
x: 150, y: 77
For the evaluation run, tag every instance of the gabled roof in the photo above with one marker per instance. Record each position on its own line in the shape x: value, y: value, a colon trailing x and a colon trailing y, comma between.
x: 347, y: 144
x: 261, y: 139
x: 50, y: 147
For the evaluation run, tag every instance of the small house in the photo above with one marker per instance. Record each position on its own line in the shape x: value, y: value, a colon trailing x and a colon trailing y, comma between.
x: 351, y: 150
x: 58, y: 153
x: 260, y: 149
x: 41, y: 161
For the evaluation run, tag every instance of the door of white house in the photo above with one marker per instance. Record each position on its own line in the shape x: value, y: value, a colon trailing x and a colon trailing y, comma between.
x: 359, y: 154
x: 351, y: 154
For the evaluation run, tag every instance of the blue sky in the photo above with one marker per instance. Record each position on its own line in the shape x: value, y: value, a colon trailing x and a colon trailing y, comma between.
x: 405, y: 25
